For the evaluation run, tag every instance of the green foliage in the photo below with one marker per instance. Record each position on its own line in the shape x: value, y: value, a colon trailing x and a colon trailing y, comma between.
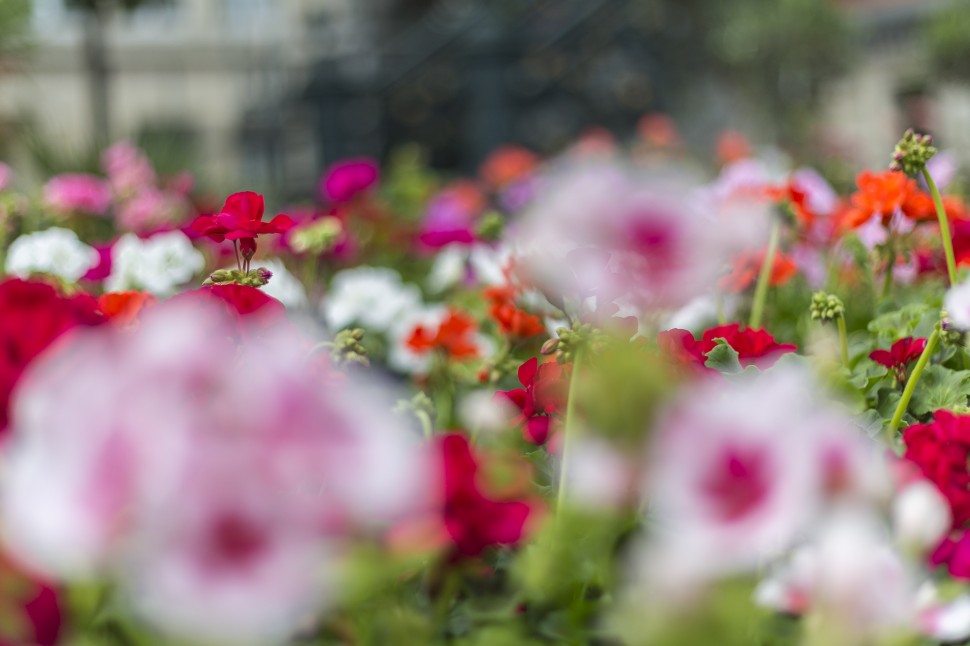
x: 939, y: 388
x: 947, y: 39
x: 723, y: 358
x: 14, y: 26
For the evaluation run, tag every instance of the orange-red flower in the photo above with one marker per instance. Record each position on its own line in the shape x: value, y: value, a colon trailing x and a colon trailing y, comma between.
x: 124, y: 307
x: 455, y: 336
x: 746, y: 267
x: 512, y: 320
x: 508, y: 164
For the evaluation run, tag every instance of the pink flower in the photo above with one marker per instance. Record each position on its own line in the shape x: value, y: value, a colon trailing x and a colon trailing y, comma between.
x: 77, y: 193
x: 150, y: 208
x: 216, y: 481
x: 6, y: 176
x: 128, y: 168
x: 347, y: 179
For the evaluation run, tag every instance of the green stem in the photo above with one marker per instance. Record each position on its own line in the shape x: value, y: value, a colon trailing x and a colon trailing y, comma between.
x: 761, y: 290
x: 911, y: 383
x: 951, y: 267
x: 887, y: 281
x: 569, y: 433
x: 426, y: 426
x: 844, y: 341
x: 719, y: 305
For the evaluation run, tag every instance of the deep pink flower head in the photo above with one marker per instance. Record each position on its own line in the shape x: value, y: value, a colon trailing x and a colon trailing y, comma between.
x: 941, y: 449
x: 77, y: 193
x: 241, y: 218
x: 474, y: 520
x: 101, y: 270
x: 898, y: 357
x: 347, y: 179
x: 450, y: 216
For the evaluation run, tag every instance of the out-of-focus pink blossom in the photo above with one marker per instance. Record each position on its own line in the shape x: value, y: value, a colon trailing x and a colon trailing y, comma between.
x: 150, y: 208
x: 77, y: 193
x: 450, y: 216
x: 6, y: 176
x: 128, y: 169
x: 215, y: 481
x: 347, y: 179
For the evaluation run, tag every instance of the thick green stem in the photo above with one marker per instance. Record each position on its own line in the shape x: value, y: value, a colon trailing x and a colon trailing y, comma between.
x: 761, y: 290
x: 569, y: 433
x: 951, y: 266
x: 911, y: 383
x: 844, y: 341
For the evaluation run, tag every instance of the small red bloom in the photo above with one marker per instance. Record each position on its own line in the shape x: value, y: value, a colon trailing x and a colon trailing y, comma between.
x: 241, y: 218
x: 34, y: 316
x: 475, y: 521
x: 455, y: 336
x: 746, y: 267
x: 899, y: 356
x: 124, y: 307
x: 513, y: 321
x: 543, y: 394
x: 754, y: 347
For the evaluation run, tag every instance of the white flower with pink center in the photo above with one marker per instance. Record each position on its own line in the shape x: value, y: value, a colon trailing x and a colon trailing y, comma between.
x: 216, y: 483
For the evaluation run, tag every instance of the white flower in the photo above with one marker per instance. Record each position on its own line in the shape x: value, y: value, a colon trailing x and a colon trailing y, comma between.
x: 921, y: 515
x: 283, y: 286
x: 484, y: 264
x: 375, y: 297
x: 158, y: 265
x: 957, y: 305
x: 54, y: 251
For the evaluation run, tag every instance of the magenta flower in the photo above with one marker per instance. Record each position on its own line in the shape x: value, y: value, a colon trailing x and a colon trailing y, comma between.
x: 77, y: 193
x: 897, y: 358
x: 347, y: 179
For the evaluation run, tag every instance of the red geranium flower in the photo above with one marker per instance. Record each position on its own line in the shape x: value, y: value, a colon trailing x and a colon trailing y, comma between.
x: 253, y: 310
x: 35, y: 605
x: 513, y: 321
x: 455, y: 336
x: 898, y: 357
x: 941, y: 449
x: 124, y: 307
x: 754, y: 347
x: 543, y: 394
x: 241, y: 217
x: 34, y: 316
x: 475, y: 521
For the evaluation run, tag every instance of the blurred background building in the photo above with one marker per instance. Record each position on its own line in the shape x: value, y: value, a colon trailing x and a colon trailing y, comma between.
x: 268, y: 92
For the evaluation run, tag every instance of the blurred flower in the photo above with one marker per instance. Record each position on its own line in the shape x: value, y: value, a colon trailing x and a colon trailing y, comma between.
x: 506, y: 165
x: 899, y: 356
x: 53, y: 251
x: 284, y: 286
x: 543, y: 394
x: 450, y: 215
x: 475, y: 521
x: 6, y: 177
x: 128, y: 169
x: 512, y: 320
x: 35, y: 315
x: 956, y: 302
x: 77, y: 193
x: 738, y: 469
x: 373, y: 297
x: 31, y: 609
x: 149, y: 209
x: 732, y: 146
x: 921, y: 516
x: 214, y: 482
x: 454, y: 336
x: 941, y: 449
x: 659, y: 130
x: 745, y: 269
x: 476, y: 264
x: 158, y: 264
x: 347, y: 179
x: 123, y: 308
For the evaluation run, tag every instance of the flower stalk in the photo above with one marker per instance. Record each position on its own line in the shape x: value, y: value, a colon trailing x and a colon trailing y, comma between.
x: 951, y: 268
x: 569, y: 433
x: 903, y: 404
x: 764, y: 278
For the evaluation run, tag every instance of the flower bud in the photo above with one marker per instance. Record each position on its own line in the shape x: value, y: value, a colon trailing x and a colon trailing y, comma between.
x: 912, y: 152
x: 826, y: 307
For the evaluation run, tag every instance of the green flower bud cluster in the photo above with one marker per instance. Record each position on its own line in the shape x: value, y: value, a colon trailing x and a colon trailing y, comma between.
x: 490, y: 226
x: 950, y: 335
x: 579, y: 336
x: 346, y: 348
x: 253, y: 278
x: 421, y: 407
x: 912, y: 152
x: 826, y: 307
x: 318, y: 237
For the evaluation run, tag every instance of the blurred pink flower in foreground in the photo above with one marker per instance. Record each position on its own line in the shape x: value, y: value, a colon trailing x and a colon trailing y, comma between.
x: 738, y: 469
x: 217, y: 482
x: 77, y: 193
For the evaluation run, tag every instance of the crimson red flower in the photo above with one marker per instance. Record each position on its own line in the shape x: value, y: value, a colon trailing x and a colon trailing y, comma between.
x: 941, y: 450
x: 473, y: 520
x: 754, y: 347
x: 455, y: 336
x: 241, y: 218
x: 34, y: 316
x: 543, y: 394
x: 898, y: 357
x: 252, y: 309
x: 954, y: 553
x: 35, y: 605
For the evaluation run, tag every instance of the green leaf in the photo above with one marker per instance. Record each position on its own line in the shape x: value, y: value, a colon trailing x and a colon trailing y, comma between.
x: 940, y: 388
x: 723, y: 358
